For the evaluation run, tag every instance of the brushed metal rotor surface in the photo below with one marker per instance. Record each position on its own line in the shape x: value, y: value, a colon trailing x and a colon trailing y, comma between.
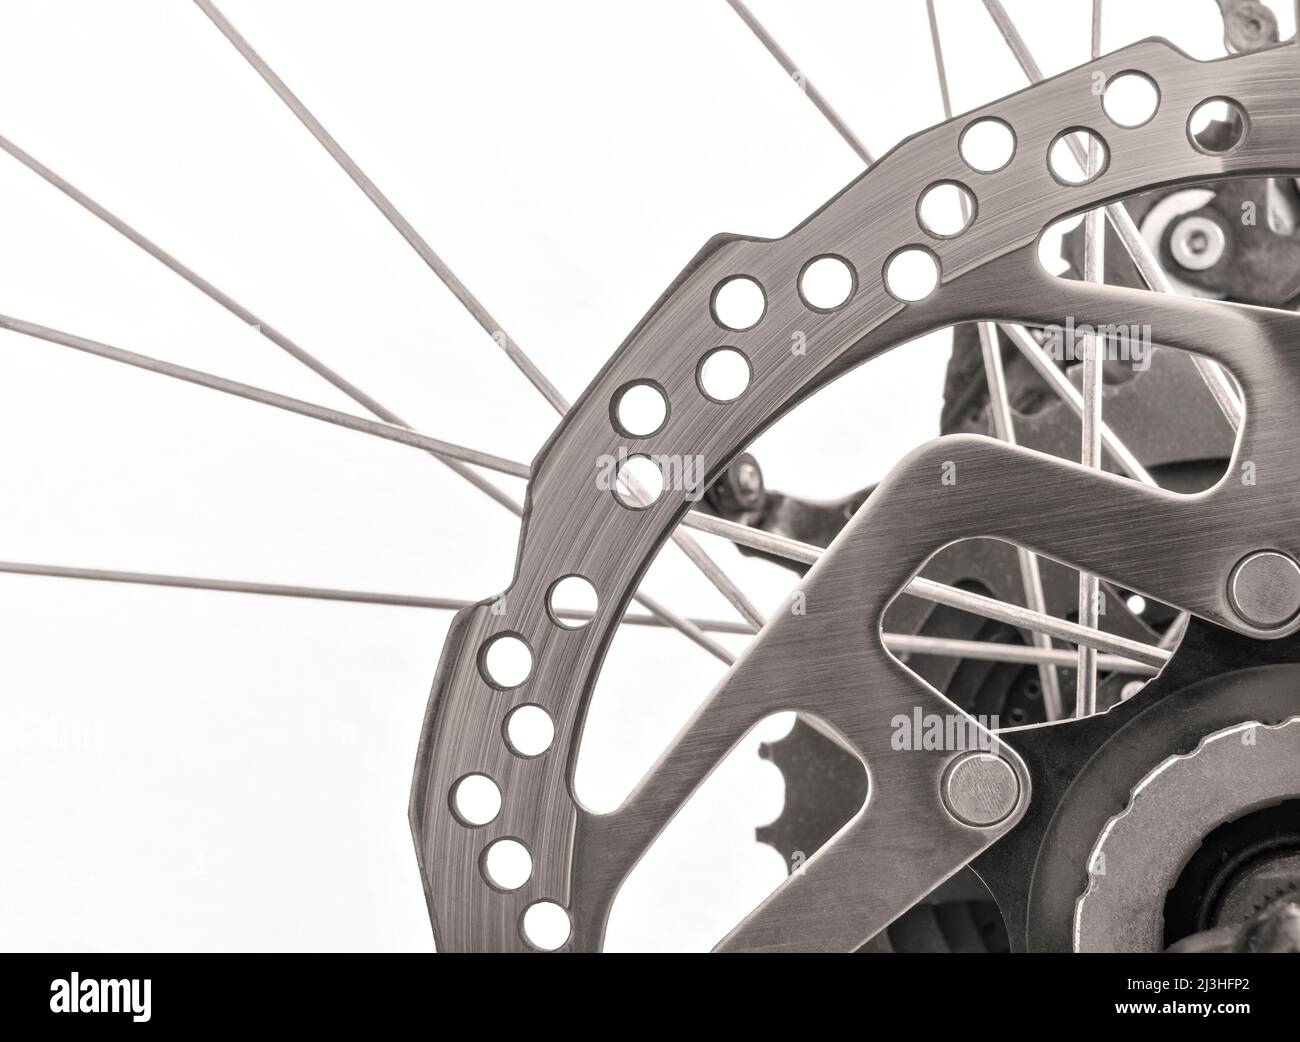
x: 830, y: 662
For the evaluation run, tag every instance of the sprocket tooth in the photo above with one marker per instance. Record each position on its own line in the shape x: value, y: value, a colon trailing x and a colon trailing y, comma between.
x: 825, y: 785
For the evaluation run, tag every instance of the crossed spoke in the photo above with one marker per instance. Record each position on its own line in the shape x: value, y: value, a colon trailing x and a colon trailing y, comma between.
x: 1087, y: 404
x: 393, y: 428
x: 1004, y: 426
x: 694, y: 552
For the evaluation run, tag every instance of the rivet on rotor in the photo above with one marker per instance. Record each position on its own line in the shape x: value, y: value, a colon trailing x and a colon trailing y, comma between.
x: 1264, y: 589
x: 981, y: 789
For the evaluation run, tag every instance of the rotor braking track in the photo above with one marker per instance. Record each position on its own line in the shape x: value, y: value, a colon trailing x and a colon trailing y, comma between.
x: 830, y: 663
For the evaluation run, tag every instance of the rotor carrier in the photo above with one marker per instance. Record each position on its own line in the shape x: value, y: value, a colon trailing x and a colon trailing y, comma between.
x: 832, y: 663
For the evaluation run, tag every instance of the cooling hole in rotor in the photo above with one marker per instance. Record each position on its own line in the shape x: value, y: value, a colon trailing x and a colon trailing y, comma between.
x: 638, y: 482
x: 529, y: 731
x: 946, y: 209
x: 826, y: 283
x: 640, y: 409
x: 912, y: 274
x: 571, y: 602
x: 1077, y: 156
x: 739, y: 303
x: 505, y: 661
x: 1217, y: 126
x: 545, y: 925
x: 987, y: 145
x: 723, y: 374
x: 1131, y: 99
x: 475, y: 800
x: 506, y: 865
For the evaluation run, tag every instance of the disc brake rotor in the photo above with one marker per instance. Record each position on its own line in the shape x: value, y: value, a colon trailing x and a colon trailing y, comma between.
x: 928, y: 812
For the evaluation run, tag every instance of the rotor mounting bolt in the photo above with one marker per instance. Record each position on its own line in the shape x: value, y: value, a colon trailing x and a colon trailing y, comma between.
x: 1264, y: 589
x: 981, y: 789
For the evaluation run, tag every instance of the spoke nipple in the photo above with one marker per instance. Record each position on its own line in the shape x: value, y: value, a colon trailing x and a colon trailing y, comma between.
x: 1264, y: 589
x: 981, y: 789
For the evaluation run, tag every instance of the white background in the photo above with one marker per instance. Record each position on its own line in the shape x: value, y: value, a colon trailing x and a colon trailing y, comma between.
x: 213, y: 771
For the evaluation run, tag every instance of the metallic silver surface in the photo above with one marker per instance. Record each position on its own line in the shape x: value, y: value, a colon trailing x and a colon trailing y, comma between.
x: 1197, y: 243
x: 1094, y: 270
x: 801, y: 78
x: 379, y: 428
x: 401, y: 600
x: 830, y: 662
x: 1031, y: 575
x: 980, y: 789
x: 385, y: 206
x: 1247, y: 24
x: 1219, y: 383
x: 459, y: 290
x: 1265, y: 589
x: 1060, y: 383
x: 1158, y: 221
x: 940, y: 593
x: 993, y: 651
x: 1004, y: 424
x: 1137, y: 857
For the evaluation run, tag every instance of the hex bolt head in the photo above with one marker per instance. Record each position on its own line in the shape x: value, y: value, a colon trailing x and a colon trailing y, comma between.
x: 981, y: 789
x: 1264, y: 589
x: 1197, y: 243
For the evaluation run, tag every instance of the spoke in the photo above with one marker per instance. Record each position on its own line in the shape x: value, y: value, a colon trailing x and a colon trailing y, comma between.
x: 1014, y: 615
x: 238, y: 310
x: 1219, y: 382
x: 389, y: 431
x: 1215, y: 378
x: 697, y: 556
x: 1094, y: 270
x: 801, y: 78
x: 754, y: 538
x: 385, y: 206
x: 1004, y: 427
x: 1021, y: 337
x: 686, y: 627
x: 320, y: 593
x: 190, y: 276
x: 1030, y: 575
x: 993, y: 651
x: 462, y: 293
x: 669, y: 618
x: 1038, y: 622
x: 928, y: 589
x: 190, y: 582
x: 1068, y: 393
x: 1174, y: 634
